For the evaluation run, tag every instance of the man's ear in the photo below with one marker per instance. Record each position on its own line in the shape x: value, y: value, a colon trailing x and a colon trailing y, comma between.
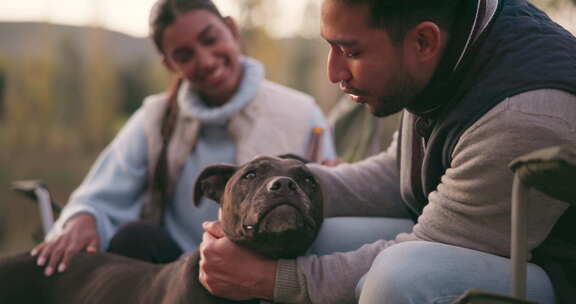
x: 212, y: 181
x: 426, y: 41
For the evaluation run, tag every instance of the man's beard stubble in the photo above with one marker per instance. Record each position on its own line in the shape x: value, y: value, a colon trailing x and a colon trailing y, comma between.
x: 406, y: 91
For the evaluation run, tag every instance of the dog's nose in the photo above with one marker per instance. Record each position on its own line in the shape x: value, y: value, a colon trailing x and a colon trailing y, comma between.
x: 281, y: 185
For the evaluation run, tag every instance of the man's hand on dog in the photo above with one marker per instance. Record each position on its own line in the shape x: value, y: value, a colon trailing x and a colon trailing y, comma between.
x: 79, y: 234
x: 233, y: 272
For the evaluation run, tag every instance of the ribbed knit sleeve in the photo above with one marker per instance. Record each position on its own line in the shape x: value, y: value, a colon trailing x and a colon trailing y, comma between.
x: 288, y: 288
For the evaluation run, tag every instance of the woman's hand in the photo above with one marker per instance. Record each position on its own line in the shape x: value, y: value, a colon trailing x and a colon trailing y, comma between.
x: 233, y: 272
x: 79, y: 234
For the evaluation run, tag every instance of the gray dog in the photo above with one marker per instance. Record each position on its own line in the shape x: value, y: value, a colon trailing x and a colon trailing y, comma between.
x: 270, y: 205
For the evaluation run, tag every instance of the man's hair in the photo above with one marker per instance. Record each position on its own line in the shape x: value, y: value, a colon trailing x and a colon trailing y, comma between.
x: 165, y: 12
x: 397, y: 17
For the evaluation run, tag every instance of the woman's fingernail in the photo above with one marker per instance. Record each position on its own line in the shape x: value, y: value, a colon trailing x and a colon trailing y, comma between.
x: 49, y: 270
x: 41, y: 261
x: 34, y: 252
x: 62, y: 267
x: 91, y: 249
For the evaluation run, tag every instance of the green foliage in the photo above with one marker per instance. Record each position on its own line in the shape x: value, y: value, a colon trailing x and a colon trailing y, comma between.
x: 137, y: 81
x: 2, y: 90
x: 60, y: 107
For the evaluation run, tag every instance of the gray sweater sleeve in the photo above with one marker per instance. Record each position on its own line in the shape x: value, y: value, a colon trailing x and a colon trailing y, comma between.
x: 474, y: 193
x: 366, y: 188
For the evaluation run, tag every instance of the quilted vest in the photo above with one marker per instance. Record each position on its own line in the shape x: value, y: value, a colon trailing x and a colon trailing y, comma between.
x: 520, y: 50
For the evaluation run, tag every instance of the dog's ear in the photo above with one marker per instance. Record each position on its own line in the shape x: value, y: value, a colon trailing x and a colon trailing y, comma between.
x: 212, y: 181
x: 294, y: 156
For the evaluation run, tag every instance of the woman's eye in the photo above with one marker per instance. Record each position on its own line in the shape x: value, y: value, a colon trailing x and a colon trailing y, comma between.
x: 249, y: 175
x: 210, y: 40
x: 183, y: 57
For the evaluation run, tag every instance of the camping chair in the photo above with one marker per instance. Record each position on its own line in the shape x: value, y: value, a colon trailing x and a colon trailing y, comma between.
x: 38, y: 192
x: 551, y: 171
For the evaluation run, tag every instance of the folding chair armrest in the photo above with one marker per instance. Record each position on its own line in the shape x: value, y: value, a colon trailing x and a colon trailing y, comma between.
x: 38, y: 192
x: 550, y: 170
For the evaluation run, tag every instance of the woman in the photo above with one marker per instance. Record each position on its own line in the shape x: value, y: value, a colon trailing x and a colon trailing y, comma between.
x: 221, y: 109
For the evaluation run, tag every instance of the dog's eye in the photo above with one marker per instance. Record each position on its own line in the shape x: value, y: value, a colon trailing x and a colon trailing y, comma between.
x: 249, y: 175
x: 310, y: 181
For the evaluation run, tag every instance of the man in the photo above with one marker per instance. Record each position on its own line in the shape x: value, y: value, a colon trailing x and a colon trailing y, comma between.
x: 481, y: 82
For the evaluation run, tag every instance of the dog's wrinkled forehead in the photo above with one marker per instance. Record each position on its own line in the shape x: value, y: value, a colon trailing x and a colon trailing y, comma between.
x: 217, y: 182
x: 281, y: 166
x: 256, y: 172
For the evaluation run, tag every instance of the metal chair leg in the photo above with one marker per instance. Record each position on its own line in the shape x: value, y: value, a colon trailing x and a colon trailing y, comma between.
x: 519, y: 251
x: 37, y: 191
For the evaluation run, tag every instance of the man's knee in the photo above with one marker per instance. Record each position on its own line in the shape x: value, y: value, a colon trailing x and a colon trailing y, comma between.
x: 400, y: 273
x: 427, y: 272
x: 341, y: 234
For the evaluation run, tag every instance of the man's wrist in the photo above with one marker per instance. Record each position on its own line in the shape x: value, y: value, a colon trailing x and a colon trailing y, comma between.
x: 287, y: 287
x: 267, y: 281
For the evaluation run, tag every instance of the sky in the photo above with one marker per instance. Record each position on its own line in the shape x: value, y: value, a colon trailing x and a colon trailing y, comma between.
x: 131, y: 16
x: 127, y: 16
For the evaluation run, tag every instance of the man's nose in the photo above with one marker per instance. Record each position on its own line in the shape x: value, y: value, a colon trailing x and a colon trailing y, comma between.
x: 337, y: 68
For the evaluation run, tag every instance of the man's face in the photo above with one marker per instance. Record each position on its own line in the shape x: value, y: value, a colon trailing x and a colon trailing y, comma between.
x: 369, y: 66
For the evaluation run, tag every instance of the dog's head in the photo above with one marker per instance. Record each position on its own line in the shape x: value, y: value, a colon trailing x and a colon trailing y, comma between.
x: 271, y: 205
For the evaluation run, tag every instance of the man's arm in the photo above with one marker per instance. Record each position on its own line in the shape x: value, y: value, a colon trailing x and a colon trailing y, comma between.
x: 366, y: 188
x: 236, y: 273
x: 471, y: 206
x: 475, y: 192
x: 230, y: 271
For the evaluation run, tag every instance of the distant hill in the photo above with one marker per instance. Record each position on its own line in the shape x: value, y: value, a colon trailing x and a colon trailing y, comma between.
x: 33, y: 39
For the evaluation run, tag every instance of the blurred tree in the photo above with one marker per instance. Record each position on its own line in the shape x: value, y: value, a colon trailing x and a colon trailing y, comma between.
x: 556, y: 2
x: 25, y: 138
x: 30, y: 104
x: 102, y: 96
x: 68, y: 82
x: 2, y: 89
x: 134, y: 87
x: 310, y: 25
x: 138, y: 80
x: 250, y: 14
x: 304, y: 60
x: 551, y: 5
x: 256, y: 40
x: 2, y: 144
x: 60, y: 106
x: 250, y: 10
x: 305, y: 57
